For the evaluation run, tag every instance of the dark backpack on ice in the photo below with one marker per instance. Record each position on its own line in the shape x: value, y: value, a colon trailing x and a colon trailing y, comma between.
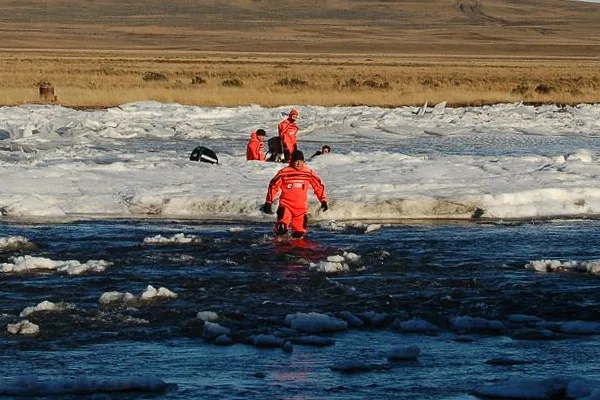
x: 275, y: 149
x: 204, y: 154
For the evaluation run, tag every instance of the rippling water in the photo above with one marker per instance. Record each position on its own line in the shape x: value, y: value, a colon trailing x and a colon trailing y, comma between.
x: 430, y: 271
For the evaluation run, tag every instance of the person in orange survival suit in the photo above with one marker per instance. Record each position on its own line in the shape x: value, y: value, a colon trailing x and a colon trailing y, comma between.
x: 288, y: 129
x: 293, y: 181
x: 256, y: 148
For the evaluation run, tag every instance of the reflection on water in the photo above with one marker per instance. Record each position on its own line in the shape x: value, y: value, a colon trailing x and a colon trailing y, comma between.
x: 432, y: 272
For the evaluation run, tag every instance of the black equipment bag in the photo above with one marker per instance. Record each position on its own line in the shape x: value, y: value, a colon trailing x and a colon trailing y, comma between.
x: 204, y: 154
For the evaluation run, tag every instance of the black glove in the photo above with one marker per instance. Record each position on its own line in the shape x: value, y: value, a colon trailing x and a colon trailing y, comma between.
x: 267, y: 208
x: 324, y: 206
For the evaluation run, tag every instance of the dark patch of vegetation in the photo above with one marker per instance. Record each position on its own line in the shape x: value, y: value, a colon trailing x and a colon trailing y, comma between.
x: 543, y: 89
x: 233, y: 82
x: 428, y: 82
x: 521, y: 89
x: 291, y: 82
x: 198, y: 80
x: 154, y: 77
x: 376, y: 85
x: 352, y: 83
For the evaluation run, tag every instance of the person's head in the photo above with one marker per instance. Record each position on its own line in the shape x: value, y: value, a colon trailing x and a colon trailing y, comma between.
x: 325, y: 149
x: 261, y: 134
x: 297, y: 160
x: 293, y: 115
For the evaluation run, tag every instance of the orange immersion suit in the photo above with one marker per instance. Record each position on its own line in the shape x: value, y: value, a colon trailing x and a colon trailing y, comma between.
x: 293, y: 202
x: 255, y: 149
x: 288, y: 130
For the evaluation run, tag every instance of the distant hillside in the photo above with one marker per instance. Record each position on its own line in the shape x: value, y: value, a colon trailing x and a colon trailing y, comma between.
x: 462, y: 27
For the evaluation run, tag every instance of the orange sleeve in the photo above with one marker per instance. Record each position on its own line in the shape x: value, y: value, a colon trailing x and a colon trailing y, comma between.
x: 282, y: 127
x: 274, y: 187
x: 318, y: 186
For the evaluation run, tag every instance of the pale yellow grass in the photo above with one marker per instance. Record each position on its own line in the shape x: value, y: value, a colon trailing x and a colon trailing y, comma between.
x: 109, y: 79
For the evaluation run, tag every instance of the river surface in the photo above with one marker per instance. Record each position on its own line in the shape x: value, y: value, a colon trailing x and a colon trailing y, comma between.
x: 433, y: 272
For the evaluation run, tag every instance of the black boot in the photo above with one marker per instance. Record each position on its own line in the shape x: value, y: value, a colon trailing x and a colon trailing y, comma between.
x: 298, y: 235
x: 281, y: 229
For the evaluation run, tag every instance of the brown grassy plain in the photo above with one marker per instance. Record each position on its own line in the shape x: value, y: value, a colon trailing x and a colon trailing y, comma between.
x: 330, y: 52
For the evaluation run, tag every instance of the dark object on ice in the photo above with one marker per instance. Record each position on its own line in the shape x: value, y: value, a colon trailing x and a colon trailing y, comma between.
x: 275, y: 150
x: 204, y: 154
x: 478, y: 213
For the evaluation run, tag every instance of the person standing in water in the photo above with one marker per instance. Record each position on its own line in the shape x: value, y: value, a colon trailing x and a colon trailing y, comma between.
x: 288, y: 130
x: 294, y: 181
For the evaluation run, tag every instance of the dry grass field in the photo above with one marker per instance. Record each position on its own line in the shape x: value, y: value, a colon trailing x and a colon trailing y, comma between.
x: 99, y: 53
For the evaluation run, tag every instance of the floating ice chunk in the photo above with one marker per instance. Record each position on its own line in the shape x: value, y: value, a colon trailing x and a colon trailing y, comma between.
x: 336, y: 259
x: 22, y: 264
x: 15, y: 243
x: 224, y: 340
x: 372, y: 228
x: 151, y: 293
x: 333, y: 225
x: 315, y: 323
x: 267, y: 341
x: 329, y: 267
x: 404, y: 353
x: 46, y: 306
x: 209, y: 316
x: 76, y: 268
x: 336, y: 263
x: 212, y: 330
x: 117, y: 297
x: 29, y: 263
x: 374, y: 318
x: 583, y: 389
x: 23, y: 328
x: 466, y: 323
x: 166, y: 293
x: 580, y: 327
x: 31, y: 386
x: 523, y: 388
x: 351, y: 258
x: 352, y: 320
x: 415, y: 325
x: 175, y: 239
x: 288, y: 347
x: 591, y: 267
x: 546, y: 265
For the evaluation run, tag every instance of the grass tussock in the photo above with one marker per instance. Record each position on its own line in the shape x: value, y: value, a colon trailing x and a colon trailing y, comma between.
x: 103, y: 80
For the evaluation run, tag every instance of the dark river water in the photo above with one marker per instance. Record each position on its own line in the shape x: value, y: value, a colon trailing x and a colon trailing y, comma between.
x: 437, y: 272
